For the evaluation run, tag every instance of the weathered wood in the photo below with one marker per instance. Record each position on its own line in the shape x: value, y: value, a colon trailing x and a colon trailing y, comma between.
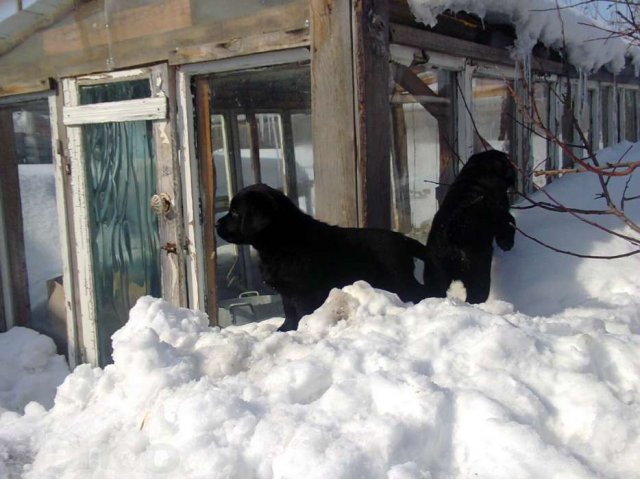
x: 170, y: 226
x: 25, y: 22
x: 236, y: 46
x: 373, y: 128
x: 19, y: 287
x: 67, y: 243
x: 272, y: 28
x: 208, y: 193
x: 124, y: 111
x: 332, y: 112
x: 402, y: 204
x: 25, y: 87
x: 127, y: 24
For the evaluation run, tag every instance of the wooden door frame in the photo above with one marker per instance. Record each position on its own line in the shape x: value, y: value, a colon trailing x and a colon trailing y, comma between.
x: 154, y: 108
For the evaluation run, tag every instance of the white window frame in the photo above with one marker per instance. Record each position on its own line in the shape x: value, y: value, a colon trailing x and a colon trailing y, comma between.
x: 74, y: 116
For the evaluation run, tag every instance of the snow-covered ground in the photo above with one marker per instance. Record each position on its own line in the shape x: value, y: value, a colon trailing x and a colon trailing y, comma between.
x: 543, y: 380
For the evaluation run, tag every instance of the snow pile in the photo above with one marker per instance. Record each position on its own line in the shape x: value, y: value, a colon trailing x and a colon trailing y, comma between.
x: 368, y: 387
x: 539, y: 281
x: 587, y: 44
x: 30, y: 369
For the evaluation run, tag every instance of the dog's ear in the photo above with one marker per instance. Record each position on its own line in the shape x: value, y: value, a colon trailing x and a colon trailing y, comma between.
x: 259, y: 213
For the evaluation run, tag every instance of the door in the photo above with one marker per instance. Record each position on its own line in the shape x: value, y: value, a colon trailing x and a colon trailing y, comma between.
x: 125, y: 210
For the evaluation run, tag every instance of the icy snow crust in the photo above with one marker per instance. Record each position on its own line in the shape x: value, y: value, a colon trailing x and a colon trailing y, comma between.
x: 545, y: 386
x: 587, y: 46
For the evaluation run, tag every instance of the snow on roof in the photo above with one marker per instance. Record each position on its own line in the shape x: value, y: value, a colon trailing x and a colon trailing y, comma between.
x: 587, y: 44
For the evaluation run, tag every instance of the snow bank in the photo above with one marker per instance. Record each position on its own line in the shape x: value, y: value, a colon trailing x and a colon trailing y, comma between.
x: 368, y: 387
x: 539, y: 281
x: 587, y: 45
x: 30, y: 369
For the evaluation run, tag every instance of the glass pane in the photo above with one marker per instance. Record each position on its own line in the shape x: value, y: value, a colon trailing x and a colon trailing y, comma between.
x: 493, y: 113
x: 252, y: 143
x: 631, y: 130
x: 32, y: 134
x: 422, y: 163
x: 539, y: 143
x: 250, y: 171
x: 115, y: 92
x: 269, y: 127
x: 303, y: 149
x: 604, y: 101
x: 121, y: 178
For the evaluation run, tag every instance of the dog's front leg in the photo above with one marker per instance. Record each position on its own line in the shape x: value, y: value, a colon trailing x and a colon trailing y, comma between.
x: 291, y: 317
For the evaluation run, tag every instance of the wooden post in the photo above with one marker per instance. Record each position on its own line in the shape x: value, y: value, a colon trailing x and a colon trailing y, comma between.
x: 208, y: 189
x: 370, y: 20
x: 333, y: 117
x: 10, y: 202
x: 350, y: 111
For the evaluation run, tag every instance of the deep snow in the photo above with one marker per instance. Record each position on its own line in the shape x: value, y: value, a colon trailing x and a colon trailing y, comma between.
x: 543, y: 380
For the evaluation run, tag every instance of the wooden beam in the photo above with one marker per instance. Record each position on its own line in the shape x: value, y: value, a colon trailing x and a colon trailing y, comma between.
x: 332, y: 111
x: 371, y: 62
x: 237, y: 46
x: 12, y: 213
x: 154, y: 108
x: 270, y: 28
x: 208, y: 193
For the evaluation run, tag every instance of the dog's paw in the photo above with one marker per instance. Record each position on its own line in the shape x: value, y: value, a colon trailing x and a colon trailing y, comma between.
x: 505, y: 244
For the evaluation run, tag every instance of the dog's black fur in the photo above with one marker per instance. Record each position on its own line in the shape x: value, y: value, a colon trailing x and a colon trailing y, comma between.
x: 474, y: 211
x: 303, y: 258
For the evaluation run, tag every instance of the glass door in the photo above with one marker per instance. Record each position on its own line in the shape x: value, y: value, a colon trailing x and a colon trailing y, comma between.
x: 125, y: 207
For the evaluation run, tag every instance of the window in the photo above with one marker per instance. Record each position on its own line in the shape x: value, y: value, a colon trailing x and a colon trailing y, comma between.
x: 260, y: 122
x: 539, y: 145
x: 423, y: 155
x: 31, y: 219
x: 493, y: 113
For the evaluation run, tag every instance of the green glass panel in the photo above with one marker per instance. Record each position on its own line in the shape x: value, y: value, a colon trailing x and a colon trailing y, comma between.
x: 115, y: 92
x: 121, y: 178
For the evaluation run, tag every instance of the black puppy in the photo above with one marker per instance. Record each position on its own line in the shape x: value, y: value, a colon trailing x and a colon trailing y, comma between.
x: 303, y: 258
x: 474, y: 211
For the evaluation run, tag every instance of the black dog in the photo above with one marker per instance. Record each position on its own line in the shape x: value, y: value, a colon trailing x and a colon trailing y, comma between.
x: 303, y: 258
x: 475, y: 210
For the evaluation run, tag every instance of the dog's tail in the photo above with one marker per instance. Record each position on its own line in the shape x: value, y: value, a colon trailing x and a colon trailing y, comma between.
x: 416, y: 249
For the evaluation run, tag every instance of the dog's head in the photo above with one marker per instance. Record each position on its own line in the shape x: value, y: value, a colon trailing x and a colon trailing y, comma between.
x: 492, y: 165
x: 251, y: 212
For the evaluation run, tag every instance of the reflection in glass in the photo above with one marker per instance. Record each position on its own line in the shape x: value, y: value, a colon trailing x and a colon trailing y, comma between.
x: 115, y: 92
x: 124, y: 232
x: 630, y: 116
x: 261, y: 133
x: 493, y: 113
x: 539, y: 145
x: 422, y: 159
x: 32, y: 136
